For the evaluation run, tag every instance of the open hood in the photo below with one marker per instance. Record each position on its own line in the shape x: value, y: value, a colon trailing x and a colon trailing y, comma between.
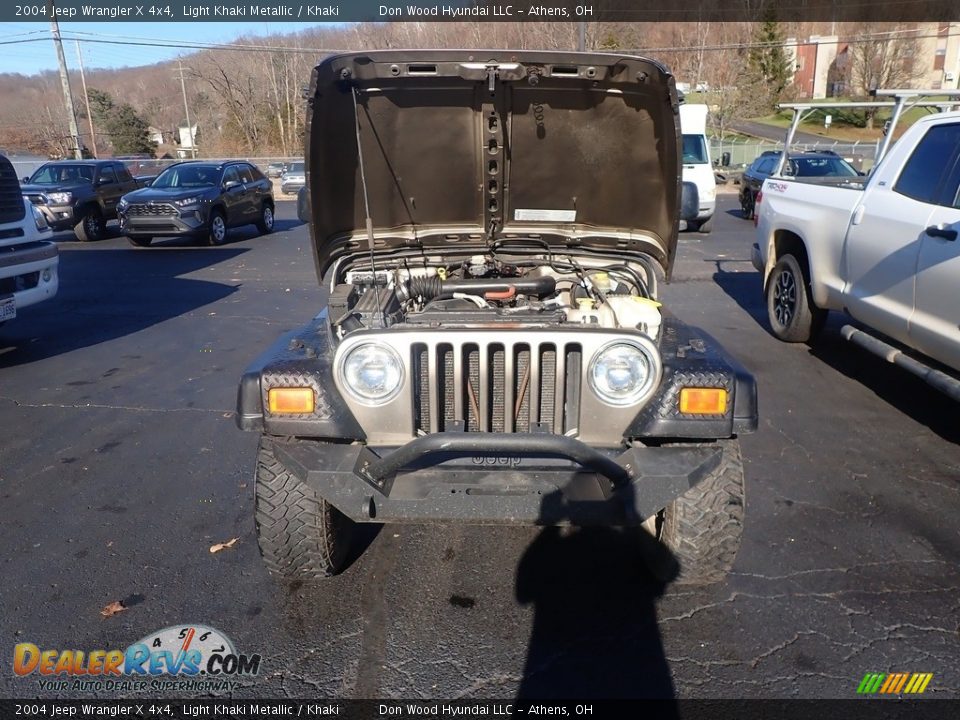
x: 462, y: 147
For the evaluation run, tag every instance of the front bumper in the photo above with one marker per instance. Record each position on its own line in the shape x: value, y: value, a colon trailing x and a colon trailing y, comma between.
x: 190, y: 224
x: 28, y: 271
x: 292, y: 187
x: 523, y: 478
x: 707, y: 208
x: 59, y: 217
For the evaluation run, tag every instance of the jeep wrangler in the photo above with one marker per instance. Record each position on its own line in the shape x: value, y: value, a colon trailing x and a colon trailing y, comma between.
x: 491, y: 228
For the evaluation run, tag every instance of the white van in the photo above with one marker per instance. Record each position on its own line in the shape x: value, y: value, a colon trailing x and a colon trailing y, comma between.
x: 697, y: 167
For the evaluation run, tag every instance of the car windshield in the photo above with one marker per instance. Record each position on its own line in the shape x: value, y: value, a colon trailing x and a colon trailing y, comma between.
x: 54, y: 174
x: 295, y: 167
x: 695, y: 150
x: 822, y: 167
x: 187, y: 176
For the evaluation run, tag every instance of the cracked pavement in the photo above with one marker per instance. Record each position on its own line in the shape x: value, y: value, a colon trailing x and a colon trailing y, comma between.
x: 120, y: 466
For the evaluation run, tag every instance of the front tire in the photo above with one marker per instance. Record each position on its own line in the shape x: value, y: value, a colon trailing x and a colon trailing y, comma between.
x: 265, y: 223
x: 703, y: 527
x: 706, y: 226
x: 91, y: 226
x: 217, y: 229
x: 301, y: 535
x: 791, y: 311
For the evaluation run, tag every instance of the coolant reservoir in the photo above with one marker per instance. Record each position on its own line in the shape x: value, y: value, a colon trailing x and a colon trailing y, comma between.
x: 585, y: 312
x: 633, y: 311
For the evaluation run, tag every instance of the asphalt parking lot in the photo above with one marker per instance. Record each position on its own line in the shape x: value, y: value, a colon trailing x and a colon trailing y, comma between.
x: 120, y: 466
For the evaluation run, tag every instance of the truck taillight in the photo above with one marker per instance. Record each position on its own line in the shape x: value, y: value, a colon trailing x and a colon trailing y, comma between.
x: 756, y: 206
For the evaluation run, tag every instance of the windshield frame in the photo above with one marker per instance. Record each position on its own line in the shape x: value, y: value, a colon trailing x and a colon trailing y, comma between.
x: 174, y: 172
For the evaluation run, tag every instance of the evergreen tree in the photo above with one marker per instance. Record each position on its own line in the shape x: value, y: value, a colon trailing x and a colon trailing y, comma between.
x: 768, y: 62
x: 127, y: 131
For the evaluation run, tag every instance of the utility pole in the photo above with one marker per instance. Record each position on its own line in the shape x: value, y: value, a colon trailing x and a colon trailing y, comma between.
x: 582, y: 36
x: 65, y: 82
x: 186, y: 110
x: 86, y: 101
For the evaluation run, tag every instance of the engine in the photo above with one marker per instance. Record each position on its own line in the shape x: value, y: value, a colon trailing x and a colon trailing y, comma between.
x: 484, y: 291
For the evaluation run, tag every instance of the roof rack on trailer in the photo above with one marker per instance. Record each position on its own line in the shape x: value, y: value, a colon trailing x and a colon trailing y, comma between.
x: 900, y: 99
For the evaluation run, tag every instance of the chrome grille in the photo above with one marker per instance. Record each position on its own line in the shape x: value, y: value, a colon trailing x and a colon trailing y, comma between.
x: 151, y: 209
x: 11, y: 200
x: 496, y: 387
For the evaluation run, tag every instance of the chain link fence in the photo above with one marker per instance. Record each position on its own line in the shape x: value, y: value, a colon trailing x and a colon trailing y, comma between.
x: 736, y: 154
x: 25, y: 167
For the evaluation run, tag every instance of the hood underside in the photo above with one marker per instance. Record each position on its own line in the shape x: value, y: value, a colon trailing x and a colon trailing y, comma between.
x: 460, y: 148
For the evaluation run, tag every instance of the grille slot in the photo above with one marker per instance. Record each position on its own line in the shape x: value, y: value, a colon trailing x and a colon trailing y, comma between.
x: 151, y: 210
x: 495, y: 387
x: 11, y: 199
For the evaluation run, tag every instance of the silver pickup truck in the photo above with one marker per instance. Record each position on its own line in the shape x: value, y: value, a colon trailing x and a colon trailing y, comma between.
x: 883, y: 249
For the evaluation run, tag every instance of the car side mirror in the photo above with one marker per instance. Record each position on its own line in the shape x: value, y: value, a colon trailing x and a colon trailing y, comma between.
x: 230, y: 184
x: 104, y: 181
x: 25, y: 179
x: 689, y: 202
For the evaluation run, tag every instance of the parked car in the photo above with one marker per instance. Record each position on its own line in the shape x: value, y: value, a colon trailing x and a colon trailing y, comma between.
x: 200, y: 200
x: 294, y: 178
x: 883, y: 249
x: 28, y: 256
x: 79, y: 194
x: 492, y: 354
x: 825, y: 163
x: 276, y: 169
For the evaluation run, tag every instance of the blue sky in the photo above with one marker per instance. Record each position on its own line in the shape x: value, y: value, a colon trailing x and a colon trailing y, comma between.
x: 33, y: 57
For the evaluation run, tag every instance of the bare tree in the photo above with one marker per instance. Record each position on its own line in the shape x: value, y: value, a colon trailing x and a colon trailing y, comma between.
x: 882, y: 61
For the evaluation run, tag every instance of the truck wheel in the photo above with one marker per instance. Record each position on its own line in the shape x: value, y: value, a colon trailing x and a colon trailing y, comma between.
x: 140, y: 241
x: 790, y: 308
x: 702, y: 528
x: 217, y: 229
x: 747, y: 206
x: 90, y: 226
x: 301, y: 536
x: 265, y: 223
x: 706, y: 226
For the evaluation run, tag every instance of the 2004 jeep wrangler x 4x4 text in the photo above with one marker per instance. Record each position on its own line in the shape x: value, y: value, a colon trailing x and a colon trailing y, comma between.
x: 490, y: 227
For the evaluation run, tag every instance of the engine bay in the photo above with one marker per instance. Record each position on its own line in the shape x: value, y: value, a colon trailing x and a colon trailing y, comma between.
x: 489, y: 290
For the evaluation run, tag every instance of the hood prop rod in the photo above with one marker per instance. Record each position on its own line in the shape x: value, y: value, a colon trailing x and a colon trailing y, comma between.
x: 366, y: 206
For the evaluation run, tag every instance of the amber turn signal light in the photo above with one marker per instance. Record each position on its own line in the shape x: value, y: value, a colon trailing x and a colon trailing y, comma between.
x: 703, y: 401
x: 292, y: 401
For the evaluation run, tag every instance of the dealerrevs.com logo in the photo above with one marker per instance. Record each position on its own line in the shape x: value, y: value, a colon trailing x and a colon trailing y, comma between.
x: 180, y: 657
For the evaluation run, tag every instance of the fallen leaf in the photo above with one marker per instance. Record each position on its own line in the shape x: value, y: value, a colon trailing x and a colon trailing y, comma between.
x: 112, y: 609
x: 222, y: 546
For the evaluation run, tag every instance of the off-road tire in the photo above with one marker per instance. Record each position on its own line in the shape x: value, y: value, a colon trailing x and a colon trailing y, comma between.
x: 266, y: 221
x: 217, y: 228
x: 706, y: 226
x: 91, y: 226
x: 301, y: 536
x: 747, y: 206
x: 702, y: 528
x: 140, y: 242
x: 792, y: 314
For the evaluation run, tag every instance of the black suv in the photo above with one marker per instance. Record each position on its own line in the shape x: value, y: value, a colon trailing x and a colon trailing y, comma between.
x: 198, y: 199
x: 824, y: 163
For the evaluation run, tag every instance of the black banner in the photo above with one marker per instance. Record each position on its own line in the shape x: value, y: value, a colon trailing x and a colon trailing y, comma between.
x: 106, y: 11
x: 858, y: 709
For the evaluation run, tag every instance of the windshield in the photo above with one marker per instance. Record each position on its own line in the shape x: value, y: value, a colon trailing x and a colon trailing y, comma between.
x: 187, y: 176
x: 55, y: 174
x: 695, y: 150
x: 821, y: 167
x: 296, y: 167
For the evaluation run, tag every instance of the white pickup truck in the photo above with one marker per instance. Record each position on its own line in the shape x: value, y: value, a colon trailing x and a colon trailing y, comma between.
x: 28, y: 256
x: 882, y: 248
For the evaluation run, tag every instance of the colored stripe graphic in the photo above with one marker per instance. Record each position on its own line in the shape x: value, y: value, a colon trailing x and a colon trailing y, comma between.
x: 894, y: 683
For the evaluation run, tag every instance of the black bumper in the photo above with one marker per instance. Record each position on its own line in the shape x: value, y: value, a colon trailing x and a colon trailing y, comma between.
x: 536, y: 478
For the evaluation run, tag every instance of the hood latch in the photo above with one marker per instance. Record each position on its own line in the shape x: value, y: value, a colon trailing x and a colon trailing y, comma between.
x: 493, y: 73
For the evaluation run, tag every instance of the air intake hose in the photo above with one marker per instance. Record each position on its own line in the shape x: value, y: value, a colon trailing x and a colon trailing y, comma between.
x: 429, y: 288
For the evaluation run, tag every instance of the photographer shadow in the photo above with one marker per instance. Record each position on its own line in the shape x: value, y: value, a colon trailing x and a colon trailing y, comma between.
x: 595, y: 632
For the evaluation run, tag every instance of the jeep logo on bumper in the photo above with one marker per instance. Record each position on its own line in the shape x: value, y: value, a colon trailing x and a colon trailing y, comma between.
x: 504, y: 460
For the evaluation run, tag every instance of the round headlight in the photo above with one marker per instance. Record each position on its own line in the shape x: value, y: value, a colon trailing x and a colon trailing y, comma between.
x: 623, y: 373
x: 372, y: 373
